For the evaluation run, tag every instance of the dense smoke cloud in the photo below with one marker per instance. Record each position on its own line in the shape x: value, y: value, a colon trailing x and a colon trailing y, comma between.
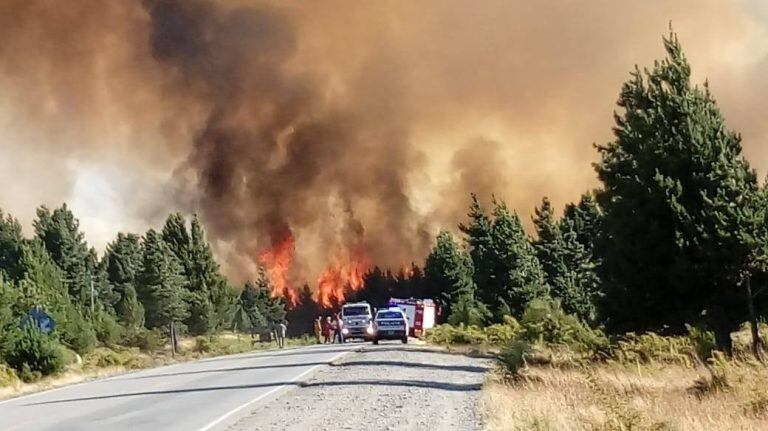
x: 354, y: 129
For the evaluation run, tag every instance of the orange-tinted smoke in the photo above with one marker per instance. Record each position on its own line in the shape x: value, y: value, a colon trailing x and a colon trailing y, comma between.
x: 301, y: 112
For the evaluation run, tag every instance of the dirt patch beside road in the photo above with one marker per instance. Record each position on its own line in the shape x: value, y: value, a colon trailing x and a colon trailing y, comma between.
x: 392, y: 386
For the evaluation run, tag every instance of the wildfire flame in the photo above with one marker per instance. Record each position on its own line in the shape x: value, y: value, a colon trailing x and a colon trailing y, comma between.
x: 408, y: 270
x: 346, y: 273
x: 277, y: 262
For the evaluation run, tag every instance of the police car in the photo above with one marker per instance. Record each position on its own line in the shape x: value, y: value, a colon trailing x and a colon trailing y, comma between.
x: 390, y: 324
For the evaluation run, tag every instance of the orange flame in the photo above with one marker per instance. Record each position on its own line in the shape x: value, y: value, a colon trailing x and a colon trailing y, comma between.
x: 336, y: 280
x: 277, y: 262
x: 408, y: 270
x: 346, y: 273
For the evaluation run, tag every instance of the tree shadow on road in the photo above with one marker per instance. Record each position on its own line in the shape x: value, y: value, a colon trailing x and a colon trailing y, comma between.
x: 220, y: 370
x: 445, y: 386
x: 466, y: 368
x: 428, y: 349
x: 428, y: 384
x: 277, y: 354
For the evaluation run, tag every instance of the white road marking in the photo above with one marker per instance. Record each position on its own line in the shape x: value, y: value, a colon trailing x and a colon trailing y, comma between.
x: 270, y: 392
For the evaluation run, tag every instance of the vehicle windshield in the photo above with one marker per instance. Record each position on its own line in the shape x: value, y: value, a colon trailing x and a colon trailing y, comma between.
x: 389, y: 315
x: 355, y: 311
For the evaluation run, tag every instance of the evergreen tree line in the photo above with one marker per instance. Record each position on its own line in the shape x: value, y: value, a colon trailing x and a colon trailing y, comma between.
x: 675, y: 234
x: 137, y: 289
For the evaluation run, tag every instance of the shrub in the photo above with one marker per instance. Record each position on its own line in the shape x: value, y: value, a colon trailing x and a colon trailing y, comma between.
x: 545, y: 321
x: 70, y: 356
x: 203, y: 344
x: 34, y: 354
x: 448, y: 334
x: 102, y: 357
x: 76, y: 332
x: 653, y: 348
x: 513, y: 357
x: 702, y: 342
x: 503, y: 333
x: 719, y: 376
x: 468, y: 311
x: 108, y: 331
x: 8, y: 376
x: 106, y: 357
x: 148, y: 340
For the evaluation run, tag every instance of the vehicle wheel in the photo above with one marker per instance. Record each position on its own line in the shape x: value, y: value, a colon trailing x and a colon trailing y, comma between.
x: 405, y: 340
x: 375, y: 341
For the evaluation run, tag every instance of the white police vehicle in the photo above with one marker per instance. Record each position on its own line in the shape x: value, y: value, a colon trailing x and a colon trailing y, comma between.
x: 390, y: 324
x: 357, y: 321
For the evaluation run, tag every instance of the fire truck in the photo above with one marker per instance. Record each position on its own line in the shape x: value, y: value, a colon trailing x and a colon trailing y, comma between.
x: 419, y: 312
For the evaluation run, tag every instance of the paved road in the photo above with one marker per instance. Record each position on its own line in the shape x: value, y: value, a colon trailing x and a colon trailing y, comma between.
x: 203, y: 395
x: 386, y: 387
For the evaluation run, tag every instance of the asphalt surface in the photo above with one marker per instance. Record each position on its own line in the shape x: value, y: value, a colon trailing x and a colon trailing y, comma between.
x: 386, y: 387
x: 204, y: 395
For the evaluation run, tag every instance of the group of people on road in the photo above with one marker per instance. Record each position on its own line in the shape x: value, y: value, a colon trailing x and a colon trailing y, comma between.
x: 328, y: 330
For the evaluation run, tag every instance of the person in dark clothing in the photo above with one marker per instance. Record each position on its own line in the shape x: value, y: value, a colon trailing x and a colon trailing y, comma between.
x: 327, y: 330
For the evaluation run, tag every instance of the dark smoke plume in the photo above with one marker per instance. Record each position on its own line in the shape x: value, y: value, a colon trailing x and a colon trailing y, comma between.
x: 324, y: 132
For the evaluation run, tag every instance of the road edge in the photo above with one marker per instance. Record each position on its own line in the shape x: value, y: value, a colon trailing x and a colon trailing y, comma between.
x: 232, y: 416
x: 123, y: 373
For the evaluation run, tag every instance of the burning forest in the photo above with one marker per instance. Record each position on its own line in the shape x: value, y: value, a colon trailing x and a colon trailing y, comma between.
x: 319, y: 139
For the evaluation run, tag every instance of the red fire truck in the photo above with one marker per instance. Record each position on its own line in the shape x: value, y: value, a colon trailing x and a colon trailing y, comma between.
x: 420, y: 313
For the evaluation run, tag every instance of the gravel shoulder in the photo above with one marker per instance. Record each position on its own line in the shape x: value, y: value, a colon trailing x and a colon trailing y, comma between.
x: 393, y: 386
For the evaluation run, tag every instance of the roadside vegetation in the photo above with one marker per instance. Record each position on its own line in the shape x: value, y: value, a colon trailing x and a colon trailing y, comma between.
x: 64, y: 310
x: 103, y: 361
x: 638, y: 307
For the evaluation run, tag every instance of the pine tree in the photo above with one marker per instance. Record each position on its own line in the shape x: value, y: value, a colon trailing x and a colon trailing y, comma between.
x: 516, y: 271
x: 216, y: 297
x: 211, y: 298
x: 42, y: 284
x: 585, y: 219
x: 131, y: 312
x: 676, y: 191
x: 450, y: 268
x: 11, y: 309
x: 479, y: 236
x: 42, y: 280
x: 60, y: 233
x: 241, y: 322
x: 272, y: 308
x: 11, y: 240
x: 162, y: 285
x: 122, y: 264
x: 177, y: 238
x: 302, y: 316
x: 250, y: 301
x: 567, y: 265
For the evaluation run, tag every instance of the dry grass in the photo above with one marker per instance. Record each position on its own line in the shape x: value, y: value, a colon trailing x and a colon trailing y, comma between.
x: 614, y: 396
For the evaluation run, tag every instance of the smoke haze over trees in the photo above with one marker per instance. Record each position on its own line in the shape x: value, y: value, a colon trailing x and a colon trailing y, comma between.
x: 675, y: 235
x: 356, y: 129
